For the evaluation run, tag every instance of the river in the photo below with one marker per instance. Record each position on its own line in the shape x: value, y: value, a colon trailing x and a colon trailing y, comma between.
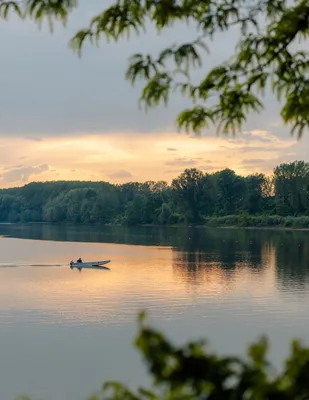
x: 64, y: 332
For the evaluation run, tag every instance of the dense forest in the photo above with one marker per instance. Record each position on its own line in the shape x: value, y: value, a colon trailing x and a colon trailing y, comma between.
x: 194, y: 197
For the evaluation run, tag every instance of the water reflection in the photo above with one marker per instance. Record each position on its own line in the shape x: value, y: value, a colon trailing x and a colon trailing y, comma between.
x: 285, y: 252
x: 228, y: 246
x: 199, y: 254
x: 227, y: 285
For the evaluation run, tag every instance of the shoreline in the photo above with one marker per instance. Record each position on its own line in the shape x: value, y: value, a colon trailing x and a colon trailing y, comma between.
x: 261, y: 228
x: 198, y: 226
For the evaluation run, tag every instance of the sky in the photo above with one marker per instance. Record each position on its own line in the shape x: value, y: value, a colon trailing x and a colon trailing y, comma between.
x: 64, y: 117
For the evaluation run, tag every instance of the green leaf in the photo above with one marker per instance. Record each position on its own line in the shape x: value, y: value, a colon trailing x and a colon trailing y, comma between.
x: 7, y: 6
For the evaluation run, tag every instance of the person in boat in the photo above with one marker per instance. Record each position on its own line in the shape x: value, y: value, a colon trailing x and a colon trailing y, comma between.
x: 79, y: 260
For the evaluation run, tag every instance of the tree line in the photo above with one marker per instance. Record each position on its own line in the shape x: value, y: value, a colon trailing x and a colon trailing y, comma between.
x: 194, y: 197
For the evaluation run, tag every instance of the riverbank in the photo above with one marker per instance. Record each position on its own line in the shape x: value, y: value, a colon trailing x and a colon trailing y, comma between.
x: 230, y: 221
x: 259, y: 222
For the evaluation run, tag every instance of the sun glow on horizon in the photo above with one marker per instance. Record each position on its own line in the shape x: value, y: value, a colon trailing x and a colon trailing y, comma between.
x: 122, y: 157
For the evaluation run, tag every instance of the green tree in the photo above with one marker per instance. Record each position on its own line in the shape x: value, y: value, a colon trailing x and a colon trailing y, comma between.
x: 210, y: 192
x: 291, y: 182
x: 128, y: 191
x: 267, y: 54
x: 136, y: 210
x: 54, y: 211
x: 231, y: 192
x: 188, y: 191
x: 73, y: 201
x: 106, y: 207
x: 165, y: 214
x: 254, y: 193
x: 157, y: 193
x: 10, y: 207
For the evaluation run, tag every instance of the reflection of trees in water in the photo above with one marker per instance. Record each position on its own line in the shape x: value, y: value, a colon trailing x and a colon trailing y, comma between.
x: 182, y: 238
x: 229, y: 251
x: 292, y: 260
x: 196, y: 249
x: 199, y: 268
x: 216, y: 252
x: 148, y: 236
x: 212, y: 268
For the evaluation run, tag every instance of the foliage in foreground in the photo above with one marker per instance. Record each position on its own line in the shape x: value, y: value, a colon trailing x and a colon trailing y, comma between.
x: 194, y: 372
x: 267, y: 55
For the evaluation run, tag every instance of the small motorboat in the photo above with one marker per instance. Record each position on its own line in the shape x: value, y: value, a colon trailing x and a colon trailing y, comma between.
x: 89, y: 264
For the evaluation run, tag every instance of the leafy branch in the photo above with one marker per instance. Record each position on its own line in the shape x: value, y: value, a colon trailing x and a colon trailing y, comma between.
x: 266, y: 57
x: 193, y: 372
x: 37, y: 10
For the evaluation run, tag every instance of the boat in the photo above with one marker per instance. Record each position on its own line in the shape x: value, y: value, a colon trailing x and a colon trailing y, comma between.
x: 89, y: 264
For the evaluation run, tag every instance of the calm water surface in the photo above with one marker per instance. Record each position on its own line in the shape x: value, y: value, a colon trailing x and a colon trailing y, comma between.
x: 63, y: 332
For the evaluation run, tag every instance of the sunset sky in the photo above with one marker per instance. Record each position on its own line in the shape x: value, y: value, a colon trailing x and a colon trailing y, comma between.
x: 68, y: 118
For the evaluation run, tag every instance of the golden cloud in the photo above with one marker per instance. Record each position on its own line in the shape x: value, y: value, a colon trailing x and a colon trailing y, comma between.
x: 144, y: 157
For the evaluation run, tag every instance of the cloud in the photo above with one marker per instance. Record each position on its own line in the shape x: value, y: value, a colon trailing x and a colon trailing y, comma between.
x: 182, y: 161
x: 121, y: 174
x: 173, y: 171
x: 257, y: 136
x: 13, y: 167
x: 34, y: 138
x: 22, y: 173
x: 247, y: 149
x: 276, y: 124
x: 120, y: 157
x: 210, y: 167
x: 253, y: 161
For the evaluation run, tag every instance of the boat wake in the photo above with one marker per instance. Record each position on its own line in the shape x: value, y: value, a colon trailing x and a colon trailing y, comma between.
x: 30, y: 265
